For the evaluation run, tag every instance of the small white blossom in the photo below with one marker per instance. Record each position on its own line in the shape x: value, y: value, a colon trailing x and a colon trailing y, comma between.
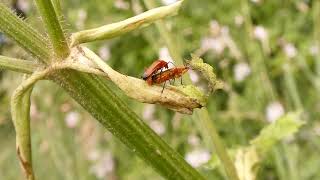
x: 158, y: 127
x: 241, y: 71
x: 290, y: 50
x: 82, y: 16
x: 104, y: 52
x: 198, y: 157
x: 148, y: 112
x: 72, y: 119
x: 24, y: 5
x: 104, y: 165
x: 238, y: 20
x: 256, y: 1
x: 215, y: 44
x: 120, y: 4
x: 274, y: 111
x: 193, y: 76
x: 167, y: 2
x: 164, y: 54
x: 260, y: 33
x: 93, y: 155
x: 302, y: 7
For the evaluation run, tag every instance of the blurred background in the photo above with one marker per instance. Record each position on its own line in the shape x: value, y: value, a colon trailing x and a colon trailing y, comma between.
x: 267, y: 53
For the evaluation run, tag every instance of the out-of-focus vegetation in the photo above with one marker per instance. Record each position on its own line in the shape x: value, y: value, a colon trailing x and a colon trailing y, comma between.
x: 266, y: 52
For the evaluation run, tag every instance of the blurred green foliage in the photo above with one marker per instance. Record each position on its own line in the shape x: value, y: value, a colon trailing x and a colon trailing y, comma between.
x: 270, y: 68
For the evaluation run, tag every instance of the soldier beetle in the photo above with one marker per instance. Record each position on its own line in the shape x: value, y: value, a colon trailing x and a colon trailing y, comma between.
x: 166, y: 75
x: 155, y: 67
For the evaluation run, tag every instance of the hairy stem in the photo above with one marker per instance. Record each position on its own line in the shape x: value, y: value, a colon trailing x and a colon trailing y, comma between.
x: 54, y: 28
x: 28, y: 38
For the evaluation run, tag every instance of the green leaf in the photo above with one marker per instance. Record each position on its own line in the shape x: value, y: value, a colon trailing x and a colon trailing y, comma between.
x: 20, y: 110
x: 283, y: 127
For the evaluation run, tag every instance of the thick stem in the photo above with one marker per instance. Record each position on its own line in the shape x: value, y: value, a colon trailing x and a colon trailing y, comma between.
x: 28, y: 38
x: 54, y: 28
x: 97, y: 98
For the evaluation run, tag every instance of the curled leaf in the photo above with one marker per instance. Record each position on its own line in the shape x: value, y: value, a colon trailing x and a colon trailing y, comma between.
x: 283, y: 127
x: 177, y: 99
x: 196, y: 63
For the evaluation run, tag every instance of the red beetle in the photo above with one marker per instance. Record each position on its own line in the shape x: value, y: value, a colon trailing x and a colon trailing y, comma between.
x: 167, y: 75
x: 154, y: 67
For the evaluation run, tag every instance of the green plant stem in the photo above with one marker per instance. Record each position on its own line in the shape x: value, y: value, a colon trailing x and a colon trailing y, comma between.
x: 20, y: 111
x: 54, y: 28
x: 121, y: 121
x: 316, y: 16
x: 209, y: 132
x: 57, y: 8
x: 255, y: 55
x: 292, y: 88
x: 23, y: 34
x: 130, y: 24
x: 18, y: 65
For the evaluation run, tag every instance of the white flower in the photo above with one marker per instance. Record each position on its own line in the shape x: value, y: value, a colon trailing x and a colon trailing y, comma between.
x: 24, y: 5
x: 120, y: 4
x: 256, y: 1
x: 82, y: 16
x: 167, y: 2
x: 148, y: 111
x: 164, y: 54
x: 193, y: 76
x: 104, y: 52
x: 72, y: 119
x: 198, y: 157
x: 290, y: 50
x: 241, y: 71
x: 215, y: 44
x: 260, y: 33
x: 104, y: 165
x: 157, y: 126
x: 93, y: 155
x: 274, y: 111
x: 302, y: 7
x: 238, y: 20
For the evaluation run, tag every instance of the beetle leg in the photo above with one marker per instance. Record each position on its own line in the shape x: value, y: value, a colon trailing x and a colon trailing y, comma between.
x: 163, y: 86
